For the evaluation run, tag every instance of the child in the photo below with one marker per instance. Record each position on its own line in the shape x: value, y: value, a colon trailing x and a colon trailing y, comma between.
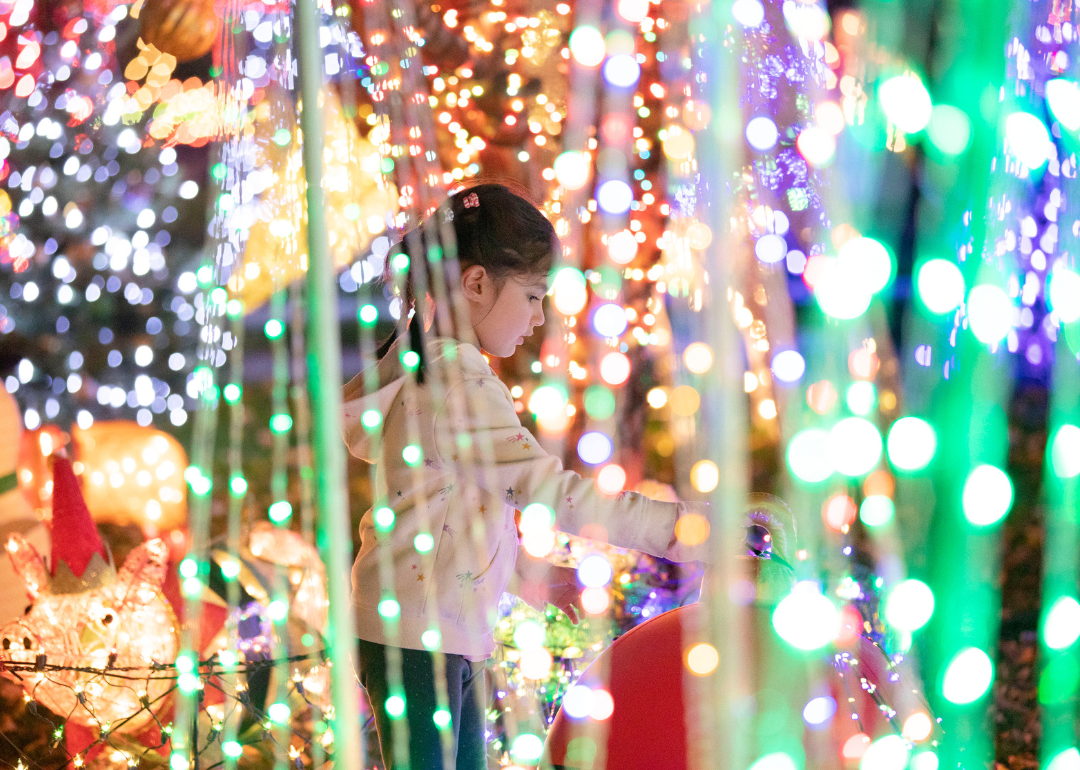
x: 476, y: 465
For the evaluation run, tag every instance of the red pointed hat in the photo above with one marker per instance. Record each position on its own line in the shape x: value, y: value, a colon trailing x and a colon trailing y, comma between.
x: 75, y: 538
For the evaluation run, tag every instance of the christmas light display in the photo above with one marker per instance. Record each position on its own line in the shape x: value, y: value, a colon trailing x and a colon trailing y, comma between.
x: 803, y: 253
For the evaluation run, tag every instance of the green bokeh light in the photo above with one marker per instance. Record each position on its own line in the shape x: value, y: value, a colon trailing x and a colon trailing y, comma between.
x: 968, y: 676
x: 599, y: 402
x: 423, y: 542
x: 910, y: 605
x: 854, y: 446
x: 912, y: 444
x: 990, y: 313
x: 1065, y: 451
x: 384, y: 519
x: 861, y: 397
x: 940, y: 285
x: 877, y: 510
x: 1061, y: 626
x: 949, y: 129
x: 988, y: 495
x: 547, y: 401
x: 807, y: 455
x: 806, y: 619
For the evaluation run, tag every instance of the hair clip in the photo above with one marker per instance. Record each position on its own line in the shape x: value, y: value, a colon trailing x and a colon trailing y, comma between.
x: 472, y: 201
x: 447, y: 215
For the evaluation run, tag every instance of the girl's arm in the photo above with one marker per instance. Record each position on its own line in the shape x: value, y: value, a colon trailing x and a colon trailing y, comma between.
x: 522, y: 473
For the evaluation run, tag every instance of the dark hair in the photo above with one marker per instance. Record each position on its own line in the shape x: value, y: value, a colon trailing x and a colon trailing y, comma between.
x: 489, y: 225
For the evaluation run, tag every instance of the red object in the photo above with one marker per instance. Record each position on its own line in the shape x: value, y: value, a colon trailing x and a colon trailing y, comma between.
x: 75, y: 539
x: 647, y: 729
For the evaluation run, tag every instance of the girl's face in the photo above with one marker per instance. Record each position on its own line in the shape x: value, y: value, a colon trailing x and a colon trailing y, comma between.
x: 503, y: 314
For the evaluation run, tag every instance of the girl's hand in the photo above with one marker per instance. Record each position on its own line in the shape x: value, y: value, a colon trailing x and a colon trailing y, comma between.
x: 563, y: 592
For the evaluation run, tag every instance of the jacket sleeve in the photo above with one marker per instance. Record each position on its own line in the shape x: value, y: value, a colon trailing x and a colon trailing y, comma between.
x: 522, y: 473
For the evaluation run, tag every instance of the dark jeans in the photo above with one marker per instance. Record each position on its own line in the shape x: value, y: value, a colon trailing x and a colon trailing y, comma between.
x: 465, y: 695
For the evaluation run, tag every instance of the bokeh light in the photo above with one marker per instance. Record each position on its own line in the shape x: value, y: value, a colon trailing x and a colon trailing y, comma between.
x: 816, y: 145
x: 685, y: 400
x: 614, y: 368
x: 854, y: 446
x: 868, y: 261
x: 838, y: 512
x: 526, y: 748
x: 749, y: 13
x: 595, y: 601
x: 818, y: 711
x: 777, y: 760
x: 704, y: 475
x: 1061, y: 626
x: 877, y: 510
x: 1065, y: 451
x: 570, y: 293
x: 808, y: 455
x: 578, y: 701
x: 587, y: 45
x: 571, y: 169
x: 770, y: 249
x: 535, y: 664
x: 806, y: 619
x: 611, y: 479
x: 910, y: 605
x: 949, y: 129
x: 861, y: 397
x: 1069, y: 759
x: 609, y: 320
x: 621, y: 70
x: 698, y: 357
x: 968, y: 676
x: 1065, y: 294
x: 614, y: 196
x: 1028, y: 140
x: 840, y: 293
x: 529, y: 635
x: 906, y: 102
x: 547, y: 401
x: 702, y: 659
x: 889, y: 752
x: 940, y: 285
x: 1063, y: 98
x: 622, y: 247
x: 762, y: 133
x: 594, y: 447
x: 912, y: 444
x: 594, y: 571
x: 788, y: 366
x: 918, y: 726
x: 989, y: 312
x: 988, y: 495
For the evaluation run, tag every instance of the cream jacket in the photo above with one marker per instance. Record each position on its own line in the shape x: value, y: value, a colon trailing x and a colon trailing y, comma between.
x: 478, y: 465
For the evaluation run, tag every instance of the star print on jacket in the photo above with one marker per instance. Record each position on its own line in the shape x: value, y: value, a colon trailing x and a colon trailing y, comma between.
x: 448, y: 529
x: 464, y: 577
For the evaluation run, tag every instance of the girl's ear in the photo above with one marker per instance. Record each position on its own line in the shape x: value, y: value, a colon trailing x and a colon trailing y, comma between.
x: 475, y: 283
